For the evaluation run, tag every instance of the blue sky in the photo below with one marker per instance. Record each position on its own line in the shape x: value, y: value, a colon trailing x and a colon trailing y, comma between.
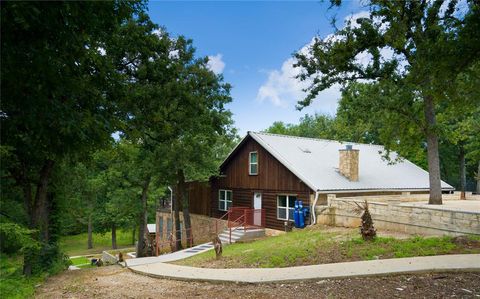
x: 251, y: 43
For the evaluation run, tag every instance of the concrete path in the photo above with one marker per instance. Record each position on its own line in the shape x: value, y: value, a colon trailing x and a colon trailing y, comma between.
x: 170, y: 257
x: 441, y: 263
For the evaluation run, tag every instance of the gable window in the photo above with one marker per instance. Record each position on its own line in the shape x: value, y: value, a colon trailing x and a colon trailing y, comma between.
x: 286, y: 207
x: 253, y: 163
x: 224, y: 199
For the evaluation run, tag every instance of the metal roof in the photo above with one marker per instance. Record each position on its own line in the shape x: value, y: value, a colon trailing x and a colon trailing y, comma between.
x: 152, y: 228
x: 315, y: 162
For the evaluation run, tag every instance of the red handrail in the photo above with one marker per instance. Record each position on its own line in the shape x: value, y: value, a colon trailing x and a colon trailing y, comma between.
x: 235, y: 227
x: 252, y: 219
x: 218, y: 220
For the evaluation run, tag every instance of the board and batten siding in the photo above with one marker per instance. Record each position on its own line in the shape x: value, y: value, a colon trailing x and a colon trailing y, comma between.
x: 273, y: 179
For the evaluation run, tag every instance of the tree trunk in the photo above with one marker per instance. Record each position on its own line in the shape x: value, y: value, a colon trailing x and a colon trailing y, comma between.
x: 114, y: 236
x: 463, y: 177
x: 183, y: 195
x: 39, y: 217
x: 38, y: 210
x: 176, y: 211
x: 134, y: 231
x: 90, y: 227
x: 432, y: 153
x: 478, y: 178
x: 141, y: 249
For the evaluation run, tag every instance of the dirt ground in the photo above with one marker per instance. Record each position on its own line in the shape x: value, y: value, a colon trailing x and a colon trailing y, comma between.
x: 116, y: 282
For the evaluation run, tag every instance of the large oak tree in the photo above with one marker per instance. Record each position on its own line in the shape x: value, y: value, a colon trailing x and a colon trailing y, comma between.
x: 432, y: 43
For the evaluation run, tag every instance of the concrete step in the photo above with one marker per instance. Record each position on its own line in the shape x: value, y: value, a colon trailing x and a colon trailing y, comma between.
x: 234, y: 233
x: 227, y: 236
x: 226, y: 240
x: 240, y: 234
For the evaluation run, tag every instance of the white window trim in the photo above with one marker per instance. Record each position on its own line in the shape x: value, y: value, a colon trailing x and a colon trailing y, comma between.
x: 288, y: 198
x: 224, y: 201
x: 250, y: 163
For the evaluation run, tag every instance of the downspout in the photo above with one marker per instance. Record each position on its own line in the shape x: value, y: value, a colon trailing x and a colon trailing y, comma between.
x: 313, y: 208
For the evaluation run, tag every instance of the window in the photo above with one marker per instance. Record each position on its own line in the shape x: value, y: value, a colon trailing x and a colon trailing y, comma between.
x: 224, y: 199
x: 253, y: 163
x: 286, y: 206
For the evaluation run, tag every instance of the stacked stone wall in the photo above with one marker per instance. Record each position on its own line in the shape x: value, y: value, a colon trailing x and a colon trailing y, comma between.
x: 396, y: 216
x: 203, y: 227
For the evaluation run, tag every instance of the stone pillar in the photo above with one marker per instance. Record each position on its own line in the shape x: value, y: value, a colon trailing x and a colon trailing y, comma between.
x: 330, y: 197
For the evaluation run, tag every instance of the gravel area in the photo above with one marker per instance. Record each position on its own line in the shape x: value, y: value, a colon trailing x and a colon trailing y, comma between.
x: 116, y: 282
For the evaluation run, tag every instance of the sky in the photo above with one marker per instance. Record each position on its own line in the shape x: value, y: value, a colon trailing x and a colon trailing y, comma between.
x: 251, y: 44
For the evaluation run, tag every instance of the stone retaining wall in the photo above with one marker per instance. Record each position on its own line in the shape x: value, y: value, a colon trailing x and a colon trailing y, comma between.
x: 203, y: 227
x: 396, y: 216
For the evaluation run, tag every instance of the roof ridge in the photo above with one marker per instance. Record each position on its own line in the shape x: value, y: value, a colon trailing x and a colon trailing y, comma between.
x: 317, y: 139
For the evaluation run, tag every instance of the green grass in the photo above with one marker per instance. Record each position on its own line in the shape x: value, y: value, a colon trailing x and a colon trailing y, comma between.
x: 82, y: 262
x: 77, y: 244
x: 12, y: 283
x: 313, y: 246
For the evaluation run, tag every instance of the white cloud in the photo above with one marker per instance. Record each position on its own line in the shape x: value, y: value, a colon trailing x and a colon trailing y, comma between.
x: 282, y: 89
x: 216, y: 64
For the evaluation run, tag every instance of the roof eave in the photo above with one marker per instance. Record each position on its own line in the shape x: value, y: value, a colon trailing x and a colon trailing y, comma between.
x: 378, y: 190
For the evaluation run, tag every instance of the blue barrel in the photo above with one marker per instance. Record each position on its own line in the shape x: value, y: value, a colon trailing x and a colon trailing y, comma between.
x: 296, y: 214
x: 301, y: 216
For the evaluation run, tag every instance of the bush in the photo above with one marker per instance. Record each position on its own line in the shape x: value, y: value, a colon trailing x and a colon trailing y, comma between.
x: 48, y: 258
x: 16, y: 238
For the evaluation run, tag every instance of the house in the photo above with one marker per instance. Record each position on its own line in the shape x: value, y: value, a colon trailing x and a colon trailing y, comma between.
x: 269, y: 171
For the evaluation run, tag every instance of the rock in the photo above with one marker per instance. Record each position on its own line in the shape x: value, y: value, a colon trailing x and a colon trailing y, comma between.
x: 399, y: 289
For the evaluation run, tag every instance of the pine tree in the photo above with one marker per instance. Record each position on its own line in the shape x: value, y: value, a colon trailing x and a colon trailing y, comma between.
x: 367, y: 229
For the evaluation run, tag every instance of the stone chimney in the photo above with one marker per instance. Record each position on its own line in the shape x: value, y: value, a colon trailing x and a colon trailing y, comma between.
x: 348, y: 165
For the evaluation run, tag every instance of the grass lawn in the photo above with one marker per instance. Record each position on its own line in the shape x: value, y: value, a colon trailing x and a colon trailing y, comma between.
x: 77, y: 244
x: 12, y: 283
x: 316, y: 246
x: 82, y: 262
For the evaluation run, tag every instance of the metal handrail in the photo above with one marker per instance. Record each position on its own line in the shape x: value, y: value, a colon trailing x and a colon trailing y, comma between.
x: 235, y: 227
x: 231, y: 225
x: 218, y: 220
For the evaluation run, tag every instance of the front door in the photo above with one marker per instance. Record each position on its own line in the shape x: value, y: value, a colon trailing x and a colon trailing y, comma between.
x: 257, y: 205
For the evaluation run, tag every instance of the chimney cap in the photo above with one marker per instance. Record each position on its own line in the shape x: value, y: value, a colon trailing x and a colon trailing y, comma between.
x: 348, y: 147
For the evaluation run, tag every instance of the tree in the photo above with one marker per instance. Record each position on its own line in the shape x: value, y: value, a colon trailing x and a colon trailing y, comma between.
x: 117, y: 173
x: 459, y: 122
x: 313, y: 126
x: 80, y: 188
x: 173, y: 109
x: 367, y: 230
x: 56, y: 87
x: 417, y: 33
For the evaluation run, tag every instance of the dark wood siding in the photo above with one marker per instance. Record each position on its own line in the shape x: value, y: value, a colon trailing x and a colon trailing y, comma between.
x: 271, y: 175
x: 273, y: 179
x: 199, y: 197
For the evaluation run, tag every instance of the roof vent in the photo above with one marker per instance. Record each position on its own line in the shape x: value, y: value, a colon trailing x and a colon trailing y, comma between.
x: 305, y: 150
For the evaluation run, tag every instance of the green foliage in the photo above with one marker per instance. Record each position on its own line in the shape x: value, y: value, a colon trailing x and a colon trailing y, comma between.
x: 432, y: 45
x: 64, y: 104
x: 12, y: 283
x: 314, y: 126
x: 15, y: 238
